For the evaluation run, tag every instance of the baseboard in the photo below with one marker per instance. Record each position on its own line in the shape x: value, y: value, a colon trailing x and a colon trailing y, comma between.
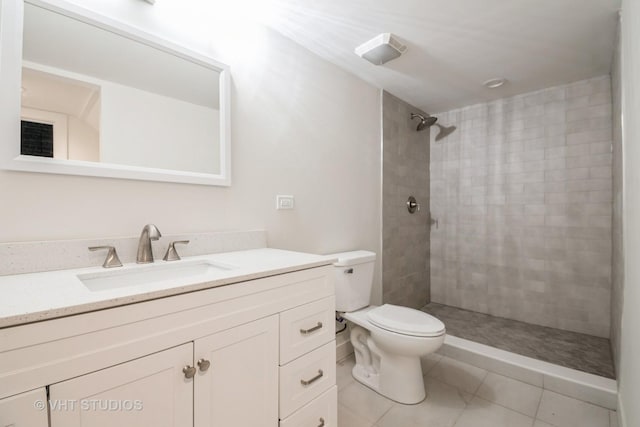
x: 343, y: 350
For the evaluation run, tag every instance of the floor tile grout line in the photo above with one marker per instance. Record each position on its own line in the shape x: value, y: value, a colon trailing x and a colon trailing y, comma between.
x: 460, y: 391
x: 486, y: 372
x: 393, y: 404
x: 355, y: 414
x: 540, y: 402
x: 484, y: 378
x: 466, y: 406
x: 424, y: 374
x: 506, y: 407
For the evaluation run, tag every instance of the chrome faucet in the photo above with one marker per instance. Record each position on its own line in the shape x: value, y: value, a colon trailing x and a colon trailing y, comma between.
x: 145, y: 251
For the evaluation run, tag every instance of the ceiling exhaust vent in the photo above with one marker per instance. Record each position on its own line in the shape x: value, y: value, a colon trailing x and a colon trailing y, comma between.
x: 380, y: 49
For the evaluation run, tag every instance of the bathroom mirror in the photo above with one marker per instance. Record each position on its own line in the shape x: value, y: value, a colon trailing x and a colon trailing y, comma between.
x: 99, y: 98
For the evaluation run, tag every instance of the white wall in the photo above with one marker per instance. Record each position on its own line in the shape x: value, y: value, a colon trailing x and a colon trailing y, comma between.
x: 300, y: 126
x: 84, y: 141
x: 146, y: 129
x: 629, y: 378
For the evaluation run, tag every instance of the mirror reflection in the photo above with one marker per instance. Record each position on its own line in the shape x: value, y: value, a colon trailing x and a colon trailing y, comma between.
x: 93, y: 95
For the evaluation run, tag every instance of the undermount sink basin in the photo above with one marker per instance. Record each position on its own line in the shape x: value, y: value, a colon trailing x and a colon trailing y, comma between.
x: 190, y: 272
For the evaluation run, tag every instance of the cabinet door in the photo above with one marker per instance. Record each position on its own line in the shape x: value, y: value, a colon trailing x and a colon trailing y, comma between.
x: 150, y: 391
x: 240, y: 388
x: 25, y: 410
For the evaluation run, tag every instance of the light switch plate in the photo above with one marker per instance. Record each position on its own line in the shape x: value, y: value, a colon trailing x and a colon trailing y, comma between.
x: 285, y: 202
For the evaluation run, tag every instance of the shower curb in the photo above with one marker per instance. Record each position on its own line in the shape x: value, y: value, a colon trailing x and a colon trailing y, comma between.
x: 580, y: 385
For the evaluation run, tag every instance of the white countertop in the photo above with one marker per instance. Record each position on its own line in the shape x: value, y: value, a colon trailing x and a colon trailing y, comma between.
x: 26, y: 298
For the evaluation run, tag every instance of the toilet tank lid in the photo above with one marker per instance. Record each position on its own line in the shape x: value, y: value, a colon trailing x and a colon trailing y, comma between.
x: 353, y: 258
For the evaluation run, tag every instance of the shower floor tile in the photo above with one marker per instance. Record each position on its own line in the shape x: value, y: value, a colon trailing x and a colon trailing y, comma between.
x: 570, y: 349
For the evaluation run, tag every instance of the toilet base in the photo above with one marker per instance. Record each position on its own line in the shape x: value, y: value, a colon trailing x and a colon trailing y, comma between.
x: 411, y: 395
x: 396, y: 377
x: 370, y: 379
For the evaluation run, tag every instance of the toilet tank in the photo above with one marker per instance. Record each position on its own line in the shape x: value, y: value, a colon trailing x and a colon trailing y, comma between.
x: 353, y: 279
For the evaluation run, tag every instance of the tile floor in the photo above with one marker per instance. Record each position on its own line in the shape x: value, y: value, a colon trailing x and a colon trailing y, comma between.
x: 570, y: 349
x: 462, y: 395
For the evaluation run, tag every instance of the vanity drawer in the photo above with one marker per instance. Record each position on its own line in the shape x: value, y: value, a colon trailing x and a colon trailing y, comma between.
x: 305, y: 328
x: 321, y: 411
x: 305, y: 378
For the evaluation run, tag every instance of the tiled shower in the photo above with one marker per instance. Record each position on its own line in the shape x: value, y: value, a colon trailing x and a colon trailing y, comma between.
x: 522, y: 193
x: 405, y: 255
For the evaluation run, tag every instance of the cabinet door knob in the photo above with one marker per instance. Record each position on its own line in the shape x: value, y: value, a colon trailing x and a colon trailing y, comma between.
x: 321, y: 422
x: 203, y: 364
x: 310, y: 330
x: 314, y: 379
x: 189, y: 371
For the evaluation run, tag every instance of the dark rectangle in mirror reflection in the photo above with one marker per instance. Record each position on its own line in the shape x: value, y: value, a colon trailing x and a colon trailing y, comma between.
x: 36, y: 139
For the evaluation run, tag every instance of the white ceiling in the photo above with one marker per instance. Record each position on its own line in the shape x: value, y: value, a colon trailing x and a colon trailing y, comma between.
x: 455, y: 45
x: 62, y: 42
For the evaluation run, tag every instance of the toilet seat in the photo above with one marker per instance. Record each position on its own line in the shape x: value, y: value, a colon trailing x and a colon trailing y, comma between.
x: 405, y: 321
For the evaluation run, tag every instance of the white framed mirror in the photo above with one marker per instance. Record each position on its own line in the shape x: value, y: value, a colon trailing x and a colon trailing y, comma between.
x: 86, y: 95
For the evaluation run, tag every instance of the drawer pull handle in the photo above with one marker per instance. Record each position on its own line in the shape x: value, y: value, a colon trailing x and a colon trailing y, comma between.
x: 314, y: 379
x: 321, y: 422
x: 348, y: 271
x: 310, y: 330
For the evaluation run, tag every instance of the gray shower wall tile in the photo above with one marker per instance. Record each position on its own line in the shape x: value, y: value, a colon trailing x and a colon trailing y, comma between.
x: 405, y: 172
x: 525, y: 209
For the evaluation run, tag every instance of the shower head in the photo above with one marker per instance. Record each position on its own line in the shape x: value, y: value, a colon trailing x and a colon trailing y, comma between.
x: 425, y: 122
x: 444, y: 131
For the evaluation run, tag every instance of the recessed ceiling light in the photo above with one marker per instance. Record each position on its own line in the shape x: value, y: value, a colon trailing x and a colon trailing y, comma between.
x: 495, y: 83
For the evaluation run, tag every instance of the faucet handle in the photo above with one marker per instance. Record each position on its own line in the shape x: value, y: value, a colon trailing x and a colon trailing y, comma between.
x: 112, y: 259
x: 172, y: 254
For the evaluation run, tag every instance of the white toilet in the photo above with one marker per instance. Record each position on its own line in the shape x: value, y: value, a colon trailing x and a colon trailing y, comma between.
x: 388, y: 340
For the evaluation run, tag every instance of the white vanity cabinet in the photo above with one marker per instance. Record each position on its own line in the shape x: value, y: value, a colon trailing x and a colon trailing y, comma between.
x: 308, y: 392
x: 240, y: 387
x: 25, y: 410
x: 150, y: 391
x: 207, y: 358
x: 234, y: 382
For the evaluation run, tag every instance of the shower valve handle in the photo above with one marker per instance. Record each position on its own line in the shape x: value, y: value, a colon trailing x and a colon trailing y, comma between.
x: 412, y: 205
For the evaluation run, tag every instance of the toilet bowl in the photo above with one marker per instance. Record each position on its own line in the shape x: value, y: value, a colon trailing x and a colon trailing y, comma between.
x: 388, y: 340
